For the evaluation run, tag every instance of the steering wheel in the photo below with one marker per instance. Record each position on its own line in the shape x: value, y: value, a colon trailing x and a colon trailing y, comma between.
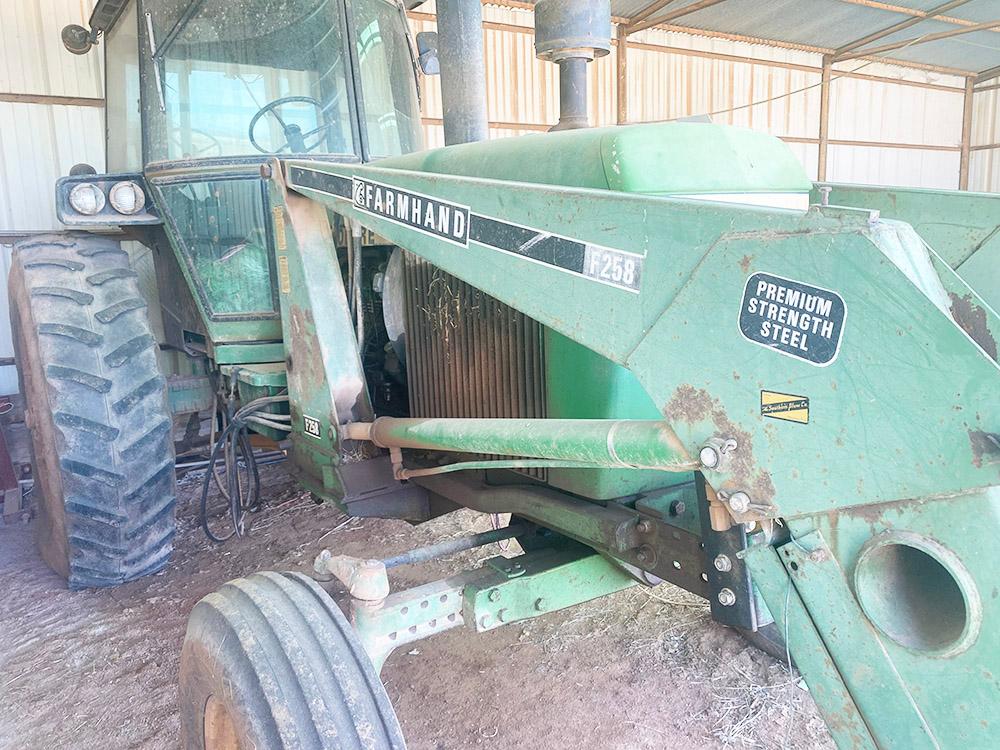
x: 295, y: 139
x: 211, y: 143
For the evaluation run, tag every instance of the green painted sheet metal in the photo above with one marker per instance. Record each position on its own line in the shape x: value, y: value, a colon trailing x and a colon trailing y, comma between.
x: 679, y: 333
x: 248, y: 353
x: 662, y: 158
x: 266, y: 375
x: 580, y: 384
x: 962, y: 227
x: 542, y: 582
x: 955, y: 682
x: 326, y: 383
x: 883, y: 697
x: 805, y: 643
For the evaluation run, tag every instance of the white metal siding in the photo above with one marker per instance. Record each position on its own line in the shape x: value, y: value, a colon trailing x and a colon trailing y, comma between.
x: 984, y: 172
x: 32, y: 58
x: 40, y: 141
x: 673, y: 74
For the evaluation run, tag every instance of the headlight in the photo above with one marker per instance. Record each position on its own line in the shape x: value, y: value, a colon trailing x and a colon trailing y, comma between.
x: 127, y: 198
x: 87, y: 199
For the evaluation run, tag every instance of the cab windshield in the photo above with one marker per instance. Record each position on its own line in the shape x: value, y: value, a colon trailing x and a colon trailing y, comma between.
x: 243, y: 77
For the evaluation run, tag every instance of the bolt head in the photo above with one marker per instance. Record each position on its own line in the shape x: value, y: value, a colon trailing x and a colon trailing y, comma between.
x: 503, y: 615
x: 645, y: 555
x: 739, y: 502
x: 709, y: 457
x: 677, y: 508
x: 484, y: 621
x: 727, y: 598
x: 643, y: 526
x: 722, y: 563
x: 494, y: 595
x: 541, y: 605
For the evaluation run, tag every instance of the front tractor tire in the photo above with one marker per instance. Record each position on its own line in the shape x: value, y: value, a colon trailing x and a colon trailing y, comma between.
x: 270, y: 662
x: 101, y: 435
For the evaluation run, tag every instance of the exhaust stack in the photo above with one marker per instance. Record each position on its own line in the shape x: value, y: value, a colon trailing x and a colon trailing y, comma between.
x: 572, y: 33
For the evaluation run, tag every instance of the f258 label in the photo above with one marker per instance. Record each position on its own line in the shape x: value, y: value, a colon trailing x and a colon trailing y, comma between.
x: 612, y: 266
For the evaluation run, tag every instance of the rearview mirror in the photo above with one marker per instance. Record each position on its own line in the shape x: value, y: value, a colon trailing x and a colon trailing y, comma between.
x: 427, y: 48
x: 76, y: 39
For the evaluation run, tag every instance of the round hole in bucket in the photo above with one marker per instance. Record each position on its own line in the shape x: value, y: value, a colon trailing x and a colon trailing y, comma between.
x: 917, y: 592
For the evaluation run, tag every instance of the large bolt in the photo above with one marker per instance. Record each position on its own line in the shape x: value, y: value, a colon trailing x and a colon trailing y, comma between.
x: 494, y: 595
x: 727, y: 598
x: 677, y: 508
x: 739, y: 502
x: 709, y: 457
x: 723, y: 564
x: 541, y: 605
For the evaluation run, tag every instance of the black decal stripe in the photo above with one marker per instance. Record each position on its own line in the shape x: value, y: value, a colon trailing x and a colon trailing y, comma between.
x: 545, y: 248
x: 324, y: 182
x: 542, y: 247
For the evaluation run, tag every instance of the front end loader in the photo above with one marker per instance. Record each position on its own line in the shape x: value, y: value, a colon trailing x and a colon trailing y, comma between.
x: 660, y: 348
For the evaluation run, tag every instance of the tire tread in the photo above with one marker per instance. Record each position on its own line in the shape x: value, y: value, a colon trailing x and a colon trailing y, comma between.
x: 106, y: 401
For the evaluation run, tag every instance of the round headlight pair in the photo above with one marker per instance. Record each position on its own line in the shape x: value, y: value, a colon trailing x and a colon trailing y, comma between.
x: 126, y: 198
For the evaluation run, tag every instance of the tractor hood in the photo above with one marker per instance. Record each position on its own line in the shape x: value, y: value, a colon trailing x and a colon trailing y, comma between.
x: 681, y: 159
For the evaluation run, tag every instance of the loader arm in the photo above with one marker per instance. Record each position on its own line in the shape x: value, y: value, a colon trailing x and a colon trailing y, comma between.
x: 848, y: 371
x: 677, y: 327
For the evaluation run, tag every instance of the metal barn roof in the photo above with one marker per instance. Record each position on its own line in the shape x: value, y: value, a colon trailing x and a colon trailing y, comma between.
x: 960, y: 35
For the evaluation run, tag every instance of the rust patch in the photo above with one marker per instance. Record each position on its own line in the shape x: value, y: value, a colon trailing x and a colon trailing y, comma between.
x: 972, y: 318
x: 985, y: 447
x: 745, y: 262
x: 691, y: 405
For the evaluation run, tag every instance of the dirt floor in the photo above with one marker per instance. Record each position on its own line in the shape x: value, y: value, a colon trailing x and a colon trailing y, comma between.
x: 642, y: 669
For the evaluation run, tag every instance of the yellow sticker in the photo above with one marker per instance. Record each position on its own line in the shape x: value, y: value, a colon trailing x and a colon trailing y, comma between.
x: 785, y: 406
x: 279, y: 227
x: 284, y: 278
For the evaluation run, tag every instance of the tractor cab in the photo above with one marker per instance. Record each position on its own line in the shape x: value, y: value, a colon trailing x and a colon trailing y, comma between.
x: 201, y: 94
x: 202, y: 79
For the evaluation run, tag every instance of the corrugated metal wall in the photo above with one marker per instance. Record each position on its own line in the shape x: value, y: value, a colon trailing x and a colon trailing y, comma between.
x: 984, y: 168
x: 51, y: 117
x: 51, y: 111
x: 672, y: 74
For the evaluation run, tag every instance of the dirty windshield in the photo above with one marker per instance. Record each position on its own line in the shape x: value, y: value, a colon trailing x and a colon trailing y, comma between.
x: 253, y: 76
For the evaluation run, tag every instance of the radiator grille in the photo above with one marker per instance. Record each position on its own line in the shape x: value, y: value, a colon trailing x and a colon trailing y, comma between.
x: 469, y: 355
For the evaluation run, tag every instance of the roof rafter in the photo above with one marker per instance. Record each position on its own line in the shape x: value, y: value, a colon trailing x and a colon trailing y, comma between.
x: 692, y: 8
x: 987, y: 75
x: 913, y: 21
x: 874, y: 51
x: 654, y: 7
x: 892, y: 8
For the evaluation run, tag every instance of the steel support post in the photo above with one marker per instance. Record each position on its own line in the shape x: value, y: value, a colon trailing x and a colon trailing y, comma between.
x: 963, y: 170
x: 824, y: 117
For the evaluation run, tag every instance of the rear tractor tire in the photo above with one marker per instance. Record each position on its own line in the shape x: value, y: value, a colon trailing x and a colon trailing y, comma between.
x: 270, y: 663
x: 102, y: 448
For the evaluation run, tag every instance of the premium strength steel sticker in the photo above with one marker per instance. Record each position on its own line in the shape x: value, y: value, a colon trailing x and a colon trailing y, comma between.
x: 793, y: 318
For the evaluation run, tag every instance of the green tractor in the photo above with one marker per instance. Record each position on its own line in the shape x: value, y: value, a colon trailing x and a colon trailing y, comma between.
x: 661, y: 348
